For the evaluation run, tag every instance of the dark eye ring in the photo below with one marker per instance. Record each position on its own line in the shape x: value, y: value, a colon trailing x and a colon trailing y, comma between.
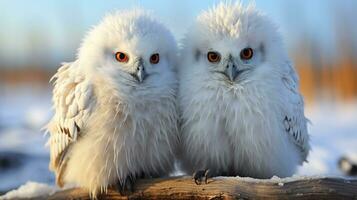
x: 154, y: 58
x: 213, y: 57
x: 121, y: 57
x: 246, y: 53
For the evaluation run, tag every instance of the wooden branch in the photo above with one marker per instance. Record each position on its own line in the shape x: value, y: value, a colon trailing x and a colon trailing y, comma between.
x: 230, y: 188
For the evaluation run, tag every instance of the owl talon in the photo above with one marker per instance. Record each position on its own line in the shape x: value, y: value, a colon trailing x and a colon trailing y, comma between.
x: 126, y: 187
x: 199, y: 175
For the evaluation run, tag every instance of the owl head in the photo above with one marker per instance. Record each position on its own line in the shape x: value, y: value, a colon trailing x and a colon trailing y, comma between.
x: 130, y: 47
x: 233, y: 44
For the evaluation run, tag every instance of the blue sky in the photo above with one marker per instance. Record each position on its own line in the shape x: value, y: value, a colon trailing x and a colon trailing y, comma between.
x: 54, y: 28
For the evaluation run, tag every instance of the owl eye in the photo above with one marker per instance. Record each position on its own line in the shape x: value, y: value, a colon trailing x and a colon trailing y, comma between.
x: 213, y: 57
x: 155, y: 58
x: 121, y: 57
x: 246, y: 54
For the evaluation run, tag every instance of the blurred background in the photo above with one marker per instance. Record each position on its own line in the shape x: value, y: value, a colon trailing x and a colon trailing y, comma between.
x: 36, y: 36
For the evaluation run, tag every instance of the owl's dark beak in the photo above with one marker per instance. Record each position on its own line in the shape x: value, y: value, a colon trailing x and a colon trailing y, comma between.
x: 140, y: 71
x: 141, y: 74
x: 231, y: 71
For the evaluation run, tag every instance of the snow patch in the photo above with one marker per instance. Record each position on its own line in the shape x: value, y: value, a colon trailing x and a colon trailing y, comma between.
x: 30, y: 190
x: 281, y: 181
x: 278, y: 180
x: 333, y: 135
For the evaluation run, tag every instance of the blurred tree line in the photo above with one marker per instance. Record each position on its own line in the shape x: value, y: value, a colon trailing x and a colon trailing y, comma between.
x: 327, y: 67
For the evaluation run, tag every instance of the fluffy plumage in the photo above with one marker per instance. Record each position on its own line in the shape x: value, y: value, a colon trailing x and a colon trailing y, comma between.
x: 239, y: 116
x: 109, y: 125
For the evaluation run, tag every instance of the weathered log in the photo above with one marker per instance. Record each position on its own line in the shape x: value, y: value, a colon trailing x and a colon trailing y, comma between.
x: 230, y: 188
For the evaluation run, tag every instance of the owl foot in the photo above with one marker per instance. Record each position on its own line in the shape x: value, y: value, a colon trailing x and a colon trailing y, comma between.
x: 199, y: 175
x: 126, y: 187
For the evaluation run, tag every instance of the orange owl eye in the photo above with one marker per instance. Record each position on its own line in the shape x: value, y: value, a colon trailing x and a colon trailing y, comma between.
x: 121, y: 57
x: 155, y: 58
x: 246, y: 54
x: 213, y: 57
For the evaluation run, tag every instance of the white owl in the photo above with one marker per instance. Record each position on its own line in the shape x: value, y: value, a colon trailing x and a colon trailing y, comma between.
x: 115, y: 105
x: 242, y: 113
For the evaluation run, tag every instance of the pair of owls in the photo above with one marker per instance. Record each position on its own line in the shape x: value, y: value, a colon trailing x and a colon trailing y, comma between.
x: 130, y: 104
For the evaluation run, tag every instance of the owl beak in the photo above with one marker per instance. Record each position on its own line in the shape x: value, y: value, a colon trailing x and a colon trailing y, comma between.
x: 140, y: 72
x: 231, y: 71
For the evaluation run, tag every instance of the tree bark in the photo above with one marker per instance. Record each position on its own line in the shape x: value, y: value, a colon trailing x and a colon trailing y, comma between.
x: 229, y: 188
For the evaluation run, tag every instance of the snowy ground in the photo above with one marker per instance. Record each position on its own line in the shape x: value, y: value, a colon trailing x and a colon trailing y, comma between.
x: 24, y: 158
x: 333, y: 134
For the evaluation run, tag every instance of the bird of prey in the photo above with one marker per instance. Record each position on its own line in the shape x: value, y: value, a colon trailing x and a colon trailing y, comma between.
x: 116, y: 116
x: 241, y: 110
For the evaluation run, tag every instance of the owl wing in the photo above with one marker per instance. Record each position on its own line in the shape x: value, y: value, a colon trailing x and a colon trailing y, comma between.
x: 295, y: 123
x: 73, y: 101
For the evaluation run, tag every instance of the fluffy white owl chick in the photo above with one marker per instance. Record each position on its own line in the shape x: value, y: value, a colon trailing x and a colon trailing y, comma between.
x: 115, y: 109
x: 242, y: 113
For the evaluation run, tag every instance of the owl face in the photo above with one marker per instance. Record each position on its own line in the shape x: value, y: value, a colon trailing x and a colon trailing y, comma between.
x: 142, y: 59
x: 230, y: 60
x: 234, y: 44
x: 131, y: 47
